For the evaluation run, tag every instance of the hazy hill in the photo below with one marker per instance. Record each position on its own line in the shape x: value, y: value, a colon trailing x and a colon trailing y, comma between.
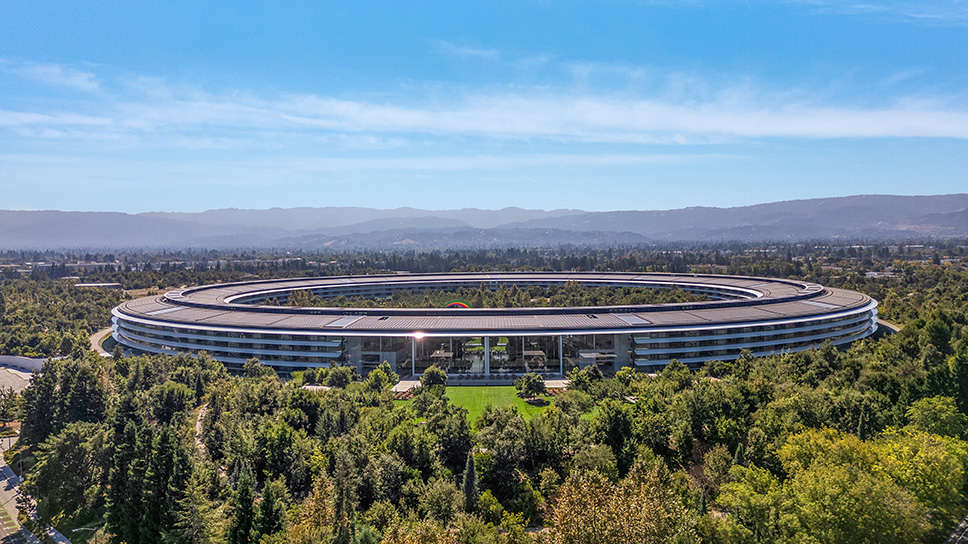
x: 296, y: 219
x: 855, y: 217
x: 867, y: 216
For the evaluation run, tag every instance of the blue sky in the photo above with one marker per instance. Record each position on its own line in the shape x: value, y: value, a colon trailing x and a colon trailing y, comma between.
x: 187, y: 106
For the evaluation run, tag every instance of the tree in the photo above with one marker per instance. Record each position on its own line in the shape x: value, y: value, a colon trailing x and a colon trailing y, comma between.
x: 827, y: 501
x: 449, y: 424
x: 938, y: 415
x: 613, y: 427
x: 716, y: 466
x: 530, y: 385
x: 434, y: 375
x: 71, y: 469
x: 739, y: 458
x: 39, y: 397
x: 315, y: 521
x: 344, y: 497
x: 440, y: 499
x: 168, y: 470
x: 341, y: 376
x: 470, y: 484
x: 195, y: 519
x: 271, y: 512
x: 243, y: 514
x: 641, y: 508
x: 597, y: 458
x: 10, y: 405
x: 171, y: 399
x: 755, y: 499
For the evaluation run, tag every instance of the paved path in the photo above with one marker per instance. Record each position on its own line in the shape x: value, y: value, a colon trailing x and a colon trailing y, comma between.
x: 96, y: 340
x: 889, y: 326
x: 10, y: 529
x: 960, y: 534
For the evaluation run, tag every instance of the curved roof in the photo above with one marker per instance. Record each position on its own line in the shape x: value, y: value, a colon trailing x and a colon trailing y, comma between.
x: 744, y: 299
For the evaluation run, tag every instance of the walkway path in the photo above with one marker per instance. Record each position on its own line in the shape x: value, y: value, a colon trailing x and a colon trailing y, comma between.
x: 958, y: 536
x: 10, y: 529
x: 889, y: 326
x: 96, y: 340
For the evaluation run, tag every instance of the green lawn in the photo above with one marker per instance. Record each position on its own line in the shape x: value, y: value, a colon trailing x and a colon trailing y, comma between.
x: 475, y: 398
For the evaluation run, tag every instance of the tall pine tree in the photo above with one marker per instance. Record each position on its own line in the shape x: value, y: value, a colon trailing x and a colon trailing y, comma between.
x: 345, y: 482
x: 243, y: 512
x: 271, y: 512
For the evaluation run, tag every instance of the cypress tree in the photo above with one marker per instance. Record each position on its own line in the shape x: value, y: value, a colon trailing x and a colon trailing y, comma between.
x: 470, y: 484
x: 740, y: 457
x: 243, y: 514
x: 862, y: 426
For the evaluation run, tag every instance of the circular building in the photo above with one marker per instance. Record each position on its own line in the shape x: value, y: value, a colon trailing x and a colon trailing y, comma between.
x: 235, y: 322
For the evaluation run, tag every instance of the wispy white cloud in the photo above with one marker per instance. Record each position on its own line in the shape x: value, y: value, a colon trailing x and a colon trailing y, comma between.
x: 934, y: 12
x: 687, y: 110
x: 54, y: 74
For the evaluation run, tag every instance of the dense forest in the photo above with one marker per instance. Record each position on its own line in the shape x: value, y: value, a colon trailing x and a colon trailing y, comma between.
x: 825, y: 446
x: 47, y: 318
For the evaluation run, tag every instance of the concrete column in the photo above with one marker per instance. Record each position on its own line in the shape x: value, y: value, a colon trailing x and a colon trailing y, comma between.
x: 487, y: 355
x: 413, y: 355
x: 561, y: 354
x: 621, y: 351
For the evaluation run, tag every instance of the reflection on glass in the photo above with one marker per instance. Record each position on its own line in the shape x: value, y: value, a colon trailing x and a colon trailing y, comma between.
x: 455, y: 355
x: 584, y: 350
x: 377, y: 349
x: 522, y: 354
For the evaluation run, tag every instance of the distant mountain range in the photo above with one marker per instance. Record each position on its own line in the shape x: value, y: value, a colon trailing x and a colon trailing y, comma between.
x: 865, y: 217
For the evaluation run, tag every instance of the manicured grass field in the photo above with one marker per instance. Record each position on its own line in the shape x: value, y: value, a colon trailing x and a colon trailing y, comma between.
x: 475, y: 398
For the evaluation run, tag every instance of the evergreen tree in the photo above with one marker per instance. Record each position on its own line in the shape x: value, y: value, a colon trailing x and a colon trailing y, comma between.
x: 243, y: 513
x: 271, y: 513
x: 167, y: 472
x: 862, y: 426
x: 194, y: 517
x: 470, y: 484
x: 40, y: 401
x: 345, y: 483
x: 122, y: 503
x: 739, y: 458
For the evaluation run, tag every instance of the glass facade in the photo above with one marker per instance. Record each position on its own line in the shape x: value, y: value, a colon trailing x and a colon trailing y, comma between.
x: 456, y: 355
